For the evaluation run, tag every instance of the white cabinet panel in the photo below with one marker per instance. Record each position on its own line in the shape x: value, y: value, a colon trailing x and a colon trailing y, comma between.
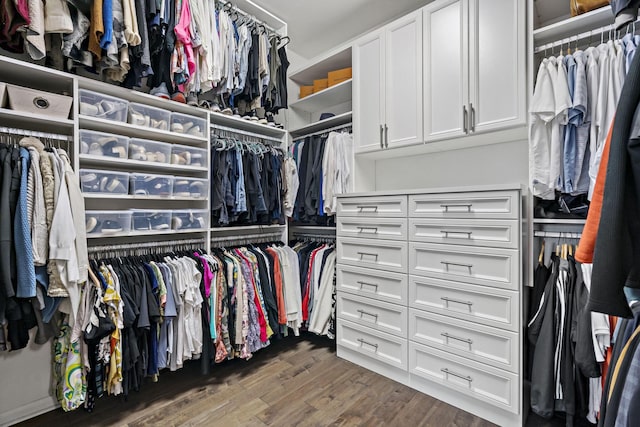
x: 386, y: 206
x: 372, y: 228
x: 385, y: 255
x: 488, y: 204
x: 479, y: 232
x: 381, y: 285
x: 379, y: 315
x: 375, y: 344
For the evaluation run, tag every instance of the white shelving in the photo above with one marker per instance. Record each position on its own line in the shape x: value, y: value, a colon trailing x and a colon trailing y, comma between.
x: 333, y: 95
x: 146, y: 233
x: 98, y: 196
x: 246, y: 125
x: 224, y: 230
x: 31, y: 121
x: 87, y: 159
x: 322, y: 65
x: 93, y: 123
x: 572, y: 26
x: 558, y: 221
x: 321, y: 125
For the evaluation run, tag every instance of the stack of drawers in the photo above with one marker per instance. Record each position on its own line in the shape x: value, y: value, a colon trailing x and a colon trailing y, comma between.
x: 429, y: 288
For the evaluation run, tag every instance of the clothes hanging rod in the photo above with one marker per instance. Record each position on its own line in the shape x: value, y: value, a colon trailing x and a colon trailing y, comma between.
x: 145, y: 245
x: 331, y: 129
x: 245, y: 237
x: 35, y: 134
x: 597, y: 31
x: 558, y: 234
x: 243, y: 132
x: 303, y: 235
x: 234, y: 8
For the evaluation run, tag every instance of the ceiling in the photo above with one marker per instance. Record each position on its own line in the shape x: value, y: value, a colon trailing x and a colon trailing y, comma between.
x: 317, y: 26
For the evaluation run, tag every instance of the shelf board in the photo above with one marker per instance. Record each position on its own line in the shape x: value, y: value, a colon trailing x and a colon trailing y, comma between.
x: 558, y: 221
x: 126, y: 129
x: 35, y: 122
x: 98, y: 196
x: 312, y: 229
x: 145, y: 233
x: 321, y: 125
x: 87, y: 159
x: 24, y: 73
x: 240, y: 228
x: 328, y: 97
x: 318, y: 67
x: 246, y: 125
x: 570, y: 27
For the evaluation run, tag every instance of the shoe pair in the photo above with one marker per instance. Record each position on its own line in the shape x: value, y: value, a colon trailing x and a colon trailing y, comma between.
x: 186, y: 188
x: 150, y: 221
x: 110, y: 110
x: 187, y: 221
x: 95, y: 226
x: 94, y: 183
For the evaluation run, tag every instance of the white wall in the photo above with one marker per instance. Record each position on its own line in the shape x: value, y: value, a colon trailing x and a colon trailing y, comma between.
x: 504, y: 163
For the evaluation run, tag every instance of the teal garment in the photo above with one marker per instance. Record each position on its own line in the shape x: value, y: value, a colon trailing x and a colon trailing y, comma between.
x: 26, y: 274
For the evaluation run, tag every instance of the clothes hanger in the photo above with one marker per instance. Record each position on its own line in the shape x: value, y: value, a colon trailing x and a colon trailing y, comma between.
x: 541, y: 256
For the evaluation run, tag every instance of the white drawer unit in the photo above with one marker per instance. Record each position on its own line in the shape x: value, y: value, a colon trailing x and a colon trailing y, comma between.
x: 479, y: 232
x: 373, y: 228
x: 373, y: 207
x: 383, y: 316
x: 485, y: 204
x: 385, y: 255
x: 378, y: 345
x: 484, y: 266
x: 495, y: 347
x: 381, y: 285
x: 494, y: 386
x: 478, y: 304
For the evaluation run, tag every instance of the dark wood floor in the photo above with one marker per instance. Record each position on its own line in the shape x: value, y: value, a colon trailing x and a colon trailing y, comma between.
x: 295, y: 382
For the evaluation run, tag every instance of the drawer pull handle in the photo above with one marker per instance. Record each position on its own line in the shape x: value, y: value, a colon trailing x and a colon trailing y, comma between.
x: 448, y: 263
x: 363, y: 284
x: 447, y: 232
x: 446, y: 206
x: 362, y: 342
x: 361, y: 229
x: 371, y: 208
x: 464, y: 377
x: 362, y: 312
x: 453, y: 337
x: 447, y: 300
x: 362, y: 254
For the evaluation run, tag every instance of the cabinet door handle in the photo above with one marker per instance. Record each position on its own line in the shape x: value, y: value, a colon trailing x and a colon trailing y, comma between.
x: 447, y: 300
x: 363, y: 284
x: 446, y: 206
x: 381, y: 131
x: 362, y: 312
x: 453, y: 337
x: 464, y: 377
x: 362, y: 342
x: 472, y: 120
x: 386, y: 136
x: 362, y: 254
x: 363, y: 208
x: 465, y: 119
x: 447, y: 232
x: 361, y: 229
x: 448, y: 263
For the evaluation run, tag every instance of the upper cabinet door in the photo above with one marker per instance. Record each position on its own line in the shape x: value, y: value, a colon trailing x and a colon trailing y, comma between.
x: 403, y: 57
x: 497, y: 64
x: 445, y: 69
x: 368, y: 92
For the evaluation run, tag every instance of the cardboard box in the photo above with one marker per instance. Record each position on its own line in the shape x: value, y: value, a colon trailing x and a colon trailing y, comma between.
x: 339, y: 76
x: 305, y: 91
x: 320, y: 84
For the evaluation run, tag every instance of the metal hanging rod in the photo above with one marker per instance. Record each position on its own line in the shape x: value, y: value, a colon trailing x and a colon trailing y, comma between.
x: 314, y: 236
x: 587, y: 34
x: 215, y: 127
x: 235, y: 9
x: 558, y: 235
x: 35, y: 134
x: 246, y: 239
x: 346, y: 126
x: 147, y: 245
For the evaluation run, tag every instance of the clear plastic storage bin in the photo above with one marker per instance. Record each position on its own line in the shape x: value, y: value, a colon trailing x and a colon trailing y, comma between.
x: 104, y: 182
x: 144, y: 184
x: 149, y: 151
x: 188, y: 125
x: 103, y: 144
x: 190, y: 187
x: 151, y: 117
x: 189, y: 219
x: 108, y: 222
x: 102, y: 106
x: 188, y: 156
x: 150, y: 220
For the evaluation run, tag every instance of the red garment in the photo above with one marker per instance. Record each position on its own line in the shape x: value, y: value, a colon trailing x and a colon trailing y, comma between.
x: 307, y: 285
x: 262, y: 319
x: 277, y: 277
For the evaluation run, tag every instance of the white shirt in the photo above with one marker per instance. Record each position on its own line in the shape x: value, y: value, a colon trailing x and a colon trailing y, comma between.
x: 592, y: 55
x: 542, y: 111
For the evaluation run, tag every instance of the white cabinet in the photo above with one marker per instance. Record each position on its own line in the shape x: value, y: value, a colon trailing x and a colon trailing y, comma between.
x: 387, y: 69
x: 474, y: 67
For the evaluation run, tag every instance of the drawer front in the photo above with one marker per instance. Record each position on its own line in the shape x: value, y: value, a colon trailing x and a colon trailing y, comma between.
x: 495, y: 347
x: 479, y: 232
x: 388, y: 255
x: 379, y: 315
x: 377, y: 345
x: 382, y: 206
x: 373, y: 228
x: 494, y: 386
x: 484, y: 266
x: 381, y: 285
x: 486, y: 204
x: 478, y: 304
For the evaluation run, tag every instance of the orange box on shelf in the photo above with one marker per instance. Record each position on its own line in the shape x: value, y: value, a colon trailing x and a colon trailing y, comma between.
x: 320, y: 84
x: 305, y: 91
x: 339, y: 76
